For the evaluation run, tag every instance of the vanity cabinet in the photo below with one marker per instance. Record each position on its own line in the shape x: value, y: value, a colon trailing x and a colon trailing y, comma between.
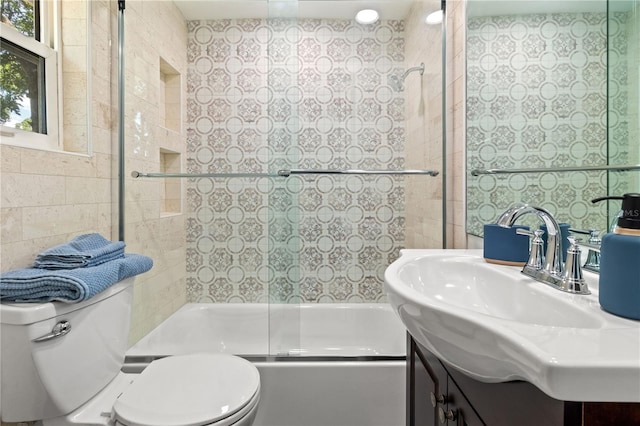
x: 433, y: 398
x: 438, y: 395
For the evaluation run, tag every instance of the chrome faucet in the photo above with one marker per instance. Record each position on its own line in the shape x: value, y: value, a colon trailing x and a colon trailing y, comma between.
x: 552, y: 262
x: 550, y: 270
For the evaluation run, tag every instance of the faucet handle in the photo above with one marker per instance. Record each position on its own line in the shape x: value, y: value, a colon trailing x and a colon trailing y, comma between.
x: 593, y: 256
x: 523, y: 231
x: 594, y: 234
x: 572, y: 279
x: 538, y: 233
x: 594, y: 237
x: 574, y: 243
x: 536, y: 259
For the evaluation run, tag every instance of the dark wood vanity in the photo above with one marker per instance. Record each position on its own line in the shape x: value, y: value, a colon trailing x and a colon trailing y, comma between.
x: 438, y: 394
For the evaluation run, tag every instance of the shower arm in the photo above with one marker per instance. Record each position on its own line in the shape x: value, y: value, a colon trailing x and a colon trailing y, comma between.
x: 419, y: 68
x: 397, y: 83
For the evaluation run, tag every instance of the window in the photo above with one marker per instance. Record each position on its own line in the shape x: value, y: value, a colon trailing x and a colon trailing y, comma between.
x: 28, y: 74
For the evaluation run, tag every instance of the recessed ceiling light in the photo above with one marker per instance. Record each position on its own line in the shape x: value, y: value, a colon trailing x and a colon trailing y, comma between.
x: 367, y: 16
x: 434, y: 17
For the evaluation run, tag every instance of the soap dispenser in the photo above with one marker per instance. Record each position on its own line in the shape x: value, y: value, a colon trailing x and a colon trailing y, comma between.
x: 619, y: 291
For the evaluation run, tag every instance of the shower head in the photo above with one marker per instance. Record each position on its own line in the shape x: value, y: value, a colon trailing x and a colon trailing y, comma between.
x: 397, y: 83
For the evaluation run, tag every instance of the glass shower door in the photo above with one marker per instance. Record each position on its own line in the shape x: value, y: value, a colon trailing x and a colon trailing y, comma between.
x: 282, y: 97
x: 300, y: 125
x: 348, y: 102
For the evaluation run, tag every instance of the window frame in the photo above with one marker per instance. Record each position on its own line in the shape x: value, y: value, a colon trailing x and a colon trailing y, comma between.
x: 47, y: 49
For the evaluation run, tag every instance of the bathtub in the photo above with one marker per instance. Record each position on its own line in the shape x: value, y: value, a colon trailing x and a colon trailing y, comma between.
x: 321, y: 365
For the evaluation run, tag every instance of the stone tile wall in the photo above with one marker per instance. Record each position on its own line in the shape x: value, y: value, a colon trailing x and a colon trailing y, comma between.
x: 424, y: 121
x: 48, y: 197
x: 155, y: 35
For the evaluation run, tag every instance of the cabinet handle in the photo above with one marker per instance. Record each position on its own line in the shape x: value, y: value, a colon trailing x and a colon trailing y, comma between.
x: 447, y: 415
x: 435, y: 400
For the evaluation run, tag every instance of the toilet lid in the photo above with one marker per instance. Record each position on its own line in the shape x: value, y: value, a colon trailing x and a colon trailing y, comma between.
x: 188, y: 390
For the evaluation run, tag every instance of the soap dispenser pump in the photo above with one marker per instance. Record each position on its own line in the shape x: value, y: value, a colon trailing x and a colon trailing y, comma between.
x: 619, y: 291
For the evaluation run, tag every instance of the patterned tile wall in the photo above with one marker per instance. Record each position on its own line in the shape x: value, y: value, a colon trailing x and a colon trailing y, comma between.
x: 536, y: 97
x: 633, y: 60
x: 623, y: 99
x: 265, y: 95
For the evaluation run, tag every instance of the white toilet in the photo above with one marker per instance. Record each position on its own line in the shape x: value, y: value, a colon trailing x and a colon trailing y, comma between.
x: 61, y: 365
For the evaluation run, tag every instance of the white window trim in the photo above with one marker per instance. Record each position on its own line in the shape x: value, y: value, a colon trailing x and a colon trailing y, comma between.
x: 46, y: 49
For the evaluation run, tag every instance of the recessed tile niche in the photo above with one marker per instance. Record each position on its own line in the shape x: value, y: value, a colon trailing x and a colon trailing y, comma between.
x: 169, y: 104
x: 171, y: 191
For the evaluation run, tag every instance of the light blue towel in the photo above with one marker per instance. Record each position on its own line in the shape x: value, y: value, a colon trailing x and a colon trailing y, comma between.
x: 84, y: 250
x: 69, y: 285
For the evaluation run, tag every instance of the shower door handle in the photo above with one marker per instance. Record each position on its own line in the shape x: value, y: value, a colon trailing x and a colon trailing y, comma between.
x: 290, y: 172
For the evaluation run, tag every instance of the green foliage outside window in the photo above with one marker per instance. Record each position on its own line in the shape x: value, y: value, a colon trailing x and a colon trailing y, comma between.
x: 20, y: 70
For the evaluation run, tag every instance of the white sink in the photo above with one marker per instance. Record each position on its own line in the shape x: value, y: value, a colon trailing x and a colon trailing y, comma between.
x: 496, y: 325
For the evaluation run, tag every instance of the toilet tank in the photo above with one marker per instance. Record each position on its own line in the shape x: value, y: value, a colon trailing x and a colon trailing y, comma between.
x: 51, y: 378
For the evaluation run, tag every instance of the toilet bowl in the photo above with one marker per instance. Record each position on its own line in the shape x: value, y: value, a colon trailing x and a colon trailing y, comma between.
x: 185, y: 390
x: 74, y: 377
x: 202, y: 389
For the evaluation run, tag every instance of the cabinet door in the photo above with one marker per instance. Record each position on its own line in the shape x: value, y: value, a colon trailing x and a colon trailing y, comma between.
x: 512, y: 403
x: 420, y: 385
x: 458, y: 411
x: 436, y: 399
x: 425, y: 387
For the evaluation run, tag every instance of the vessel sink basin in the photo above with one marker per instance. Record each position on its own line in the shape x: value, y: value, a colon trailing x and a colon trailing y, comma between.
x: 496, y: 325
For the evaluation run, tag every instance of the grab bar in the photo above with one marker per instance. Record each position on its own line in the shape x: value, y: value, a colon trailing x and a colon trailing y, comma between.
x: 284, y: 173
x: 629, y: 167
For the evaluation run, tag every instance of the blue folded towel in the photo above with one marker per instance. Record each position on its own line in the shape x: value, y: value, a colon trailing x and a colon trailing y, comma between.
x: 69, y: 285
x: 84, y: 250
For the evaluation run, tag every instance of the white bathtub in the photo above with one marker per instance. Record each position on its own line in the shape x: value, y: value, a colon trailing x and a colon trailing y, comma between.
x: 322, y: 364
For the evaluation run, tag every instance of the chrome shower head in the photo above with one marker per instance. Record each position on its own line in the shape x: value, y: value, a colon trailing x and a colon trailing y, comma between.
x: 397, y: 83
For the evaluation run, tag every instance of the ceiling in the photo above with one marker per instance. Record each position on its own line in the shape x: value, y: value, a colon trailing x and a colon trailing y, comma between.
x: 327, y: 9
x: 525, y: 7
x: 389, y: 9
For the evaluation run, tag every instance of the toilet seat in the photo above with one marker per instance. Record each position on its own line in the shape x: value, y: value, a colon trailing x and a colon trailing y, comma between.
x: 190, y: 390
